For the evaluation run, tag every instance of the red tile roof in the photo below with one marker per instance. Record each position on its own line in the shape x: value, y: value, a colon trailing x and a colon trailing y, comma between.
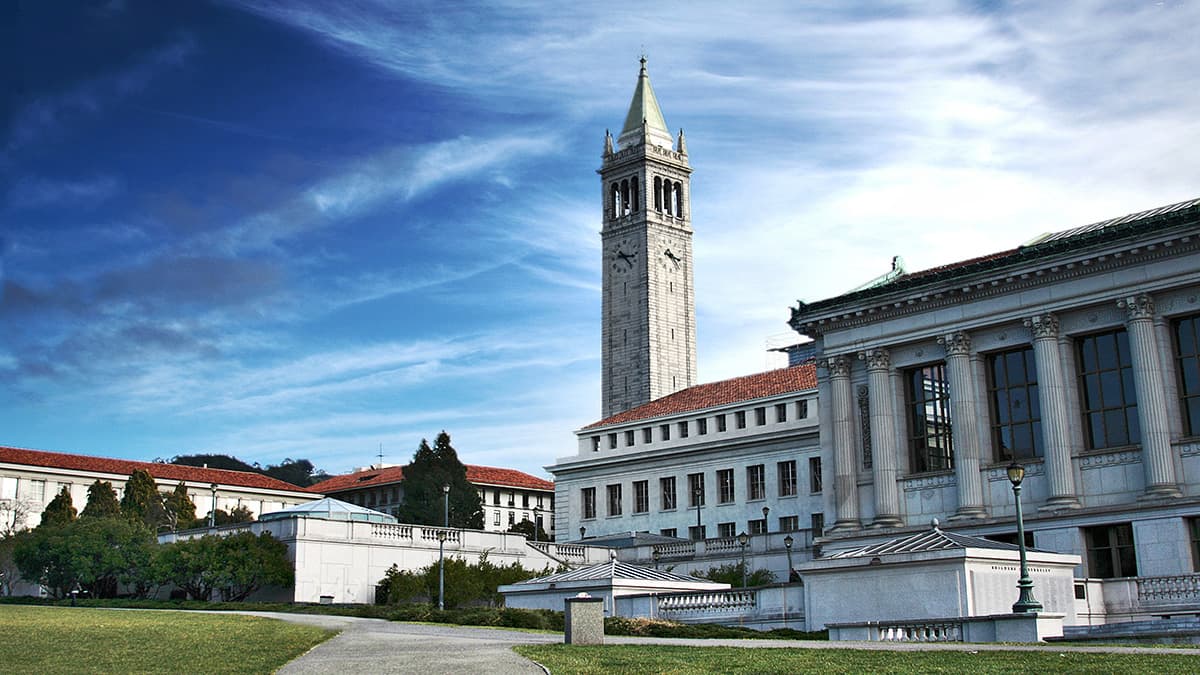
x: 477, y: 475
x: 126, y: 467
x: 725, y: 392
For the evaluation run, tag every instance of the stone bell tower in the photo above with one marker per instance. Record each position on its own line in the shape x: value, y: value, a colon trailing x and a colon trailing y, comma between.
x: 649, y: 307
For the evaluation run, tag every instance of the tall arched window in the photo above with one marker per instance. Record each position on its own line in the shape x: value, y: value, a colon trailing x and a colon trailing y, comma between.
x: 615, y: 192
x: 658, y: 197
x: 668, y: 202
x: 633, y: 194
x: 625, y: 197
x: 678, y: 194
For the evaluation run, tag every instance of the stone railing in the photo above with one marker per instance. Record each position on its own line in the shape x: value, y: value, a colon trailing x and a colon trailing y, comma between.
x: 431, y: 534
x: 683, y: 548
x: 711, y: 602
x: 918, y: 631
x: 725, y: 545
x: 389, y: 531
x: 1173, y: 590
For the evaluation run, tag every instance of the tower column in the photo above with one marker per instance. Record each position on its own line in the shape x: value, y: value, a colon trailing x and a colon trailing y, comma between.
x: 1052, y: 397
x: 884, y: 447
x: 1150, y: 386
x: 964, y: 430
x: 845, y: 469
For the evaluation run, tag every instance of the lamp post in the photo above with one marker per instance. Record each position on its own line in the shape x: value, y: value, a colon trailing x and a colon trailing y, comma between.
x: 696, y: 495
x: 655, y: 554
x: 743, y: 541
x: 537, y: 510
x: 582, y: 532
x: 787, y: 543
x: 766, y: 525
x: 1026, y: 603
x: 442, y: 547
x: 212, y: 512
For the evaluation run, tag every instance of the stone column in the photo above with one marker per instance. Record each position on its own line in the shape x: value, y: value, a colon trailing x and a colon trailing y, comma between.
x: 1151, y: 398
x: 1052, y: 398
x: 844, y: 466
x: 884, y: 447
x: 964, y: 427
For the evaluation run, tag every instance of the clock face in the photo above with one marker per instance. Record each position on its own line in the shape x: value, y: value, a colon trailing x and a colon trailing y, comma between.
x: 624, y: 255
x: 670, y: 256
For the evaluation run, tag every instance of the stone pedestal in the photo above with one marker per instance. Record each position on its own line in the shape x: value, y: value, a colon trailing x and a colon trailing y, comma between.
x: 584, y: 620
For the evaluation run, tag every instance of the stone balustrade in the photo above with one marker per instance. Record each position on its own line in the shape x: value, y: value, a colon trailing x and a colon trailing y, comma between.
x: 920, y: 631
x: 1184, y: 588
x: 389, y: 531
x: 709, y: 602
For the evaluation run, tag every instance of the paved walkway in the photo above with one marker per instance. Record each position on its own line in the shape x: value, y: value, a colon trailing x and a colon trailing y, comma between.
x: 379, y: 646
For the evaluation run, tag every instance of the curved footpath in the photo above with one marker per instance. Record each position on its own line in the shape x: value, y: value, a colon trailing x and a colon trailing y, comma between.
x: 380, y: 646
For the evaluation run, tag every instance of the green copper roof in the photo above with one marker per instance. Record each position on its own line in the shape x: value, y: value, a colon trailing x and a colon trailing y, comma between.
x: 644, y: 107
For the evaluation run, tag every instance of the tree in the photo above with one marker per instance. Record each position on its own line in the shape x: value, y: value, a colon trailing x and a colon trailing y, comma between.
x: 97, y: 553
x: 102, y: 501
x: 732, y: 574
x: 14, y: 513
x: 295, y: 471
x: 142, y: 501
x: 214, y: 461
x: 180, y: 510
x: 190, y: 564
x: 526, y: 527
x: 424, y: 477
x: 60, y: 510
x: 237, y: 565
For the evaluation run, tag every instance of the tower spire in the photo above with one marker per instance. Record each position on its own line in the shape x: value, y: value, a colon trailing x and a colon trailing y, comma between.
x: 644, y: 122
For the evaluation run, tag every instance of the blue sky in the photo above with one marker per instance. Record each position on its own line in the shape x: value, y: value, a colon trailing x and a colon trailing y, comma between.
x: 305, y: 229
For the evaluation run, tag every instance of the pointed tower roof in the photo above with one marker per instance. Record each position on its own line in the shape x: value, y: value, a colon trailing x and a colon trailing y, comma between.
x: 644, y: 116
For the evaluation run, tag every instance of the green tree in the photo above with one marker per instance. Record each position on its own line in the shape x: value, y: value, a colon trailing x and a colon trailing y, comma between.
x: 249, y: 562
x: 60, y: 510
x: 102, y: 501
x: 295, y: 471
x: 190, y: 564
x: 424, y: 477
x: 142, y: 501
x: 214, y: 461
x: 732, y: 574
x: 97, y: 553
x: 180, y: 509
x: 526, y: 527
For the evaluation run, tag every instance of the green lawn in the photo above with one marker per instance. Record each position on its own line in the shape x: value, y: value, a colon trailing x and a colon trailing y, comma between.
x: 565, y: 659
x: 78, y: 639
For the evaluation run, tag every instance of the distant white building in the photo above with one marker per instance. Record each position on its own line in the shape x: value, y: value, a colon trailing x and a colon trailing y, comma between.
x: 509, y: 496
x: 29, y: 479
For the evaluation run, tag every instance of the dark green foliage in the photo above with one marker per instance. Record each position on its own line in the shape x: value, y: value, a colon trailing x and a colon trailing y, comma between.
x: 215, y: 462
x: 180, y: 510
x: 526, y: 528
x: 59, y: 511
x: 239, y: 514
x: 619, y: 625
x: 543, y: 619
x: 142, y: 501
x: 732, y: 574
x: 294, y: 471
x: 96, y: 553
x: 236, y: 565
x: 102, y: 501
x: 464, y: 584
x: 430, y: 469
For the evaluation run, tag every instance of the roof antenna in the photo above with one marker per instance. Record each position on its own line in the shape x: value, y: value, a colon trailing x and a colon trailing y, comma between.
x: 380, y: 455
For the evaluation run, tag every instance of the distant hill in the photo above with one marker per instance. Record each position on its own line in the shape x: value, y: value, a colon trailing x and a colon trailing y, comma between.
x: 295, y: 471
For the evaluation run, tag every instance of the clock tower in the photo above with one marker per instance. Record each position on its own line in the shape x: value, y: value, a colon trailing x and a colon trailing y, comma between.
x: 648, y: 307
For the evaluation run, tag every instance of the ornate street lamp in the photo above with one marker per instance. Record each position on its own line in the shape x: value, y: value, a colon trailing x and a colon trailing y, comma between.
x: 582, y: 532
x: 1026, y: 603
x: 536, y: 512
x: 766, y: 523
x: 787, y: 543
x: 212, y: 512
x: 743, y: 541
x: 696, y: 494
x: 655, y: 554
x: 442, y: 547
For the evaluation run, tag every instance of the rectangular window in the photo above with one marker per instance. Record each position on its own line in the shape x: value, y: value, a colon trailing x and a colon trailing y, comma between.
x: 512, y: 518
x: 721, y: 426
x: 928, y: 399
x: 667, y: 487
x: 702, y: 426
x: 696, y: 532
x: 814, y: 475
x: 725, y: 486
x: 789, y: 523
x: 496, y: 518
x: 1016, y: 412
x: 628, y: 438
x: 614, y: 500
x: 760, y: 416
x: 595, y: 444
x: 787, y: 478
x: 524, y: 501
x: 1106, y: 386
x: 726, y: 530
x: 512, y: 499
x: 665, y: 432
x: 1110, y: 551
x: 780, y: 412
x: 740, y: 416
x: 1187, y: 360
x: 647, y: 435
x: 695, y: 489
x: 758, y: 526
x: 818, y: 524
x: 588, y: 502
x: 612, y: 441
x: 801, y: 410
x: 37, y: 491
x: 539, y: 501
x: 1194, y: 531
x: 641, y: 496
x: 669, y: 532
x: 756, y: 482
x: 683, y: 429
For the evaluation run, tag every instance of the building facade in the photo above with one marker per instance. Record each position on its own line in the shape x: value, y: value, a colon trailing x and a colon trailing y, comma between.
x: 648, y: 347
x: 509, y: 496
x: 29, y: 479
x: 1076, y: 355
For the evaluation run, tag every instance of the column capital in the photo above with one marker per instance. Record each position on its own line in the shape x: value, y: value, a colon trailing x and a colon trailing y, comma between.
x: 877, y: 359
x: 956, y: 344
x: 838, y: 366
x: 1137, y: 307
x: 1043, y: 325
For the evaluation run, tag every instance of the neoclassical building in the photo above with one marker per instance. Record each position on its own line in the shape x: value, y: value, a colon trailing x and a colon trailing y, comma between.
x: 1075, y: 354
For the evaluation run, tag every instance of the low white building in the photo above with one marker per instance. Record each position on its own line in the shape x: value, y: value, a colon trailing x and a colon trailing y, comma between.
x: 29, y: 479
